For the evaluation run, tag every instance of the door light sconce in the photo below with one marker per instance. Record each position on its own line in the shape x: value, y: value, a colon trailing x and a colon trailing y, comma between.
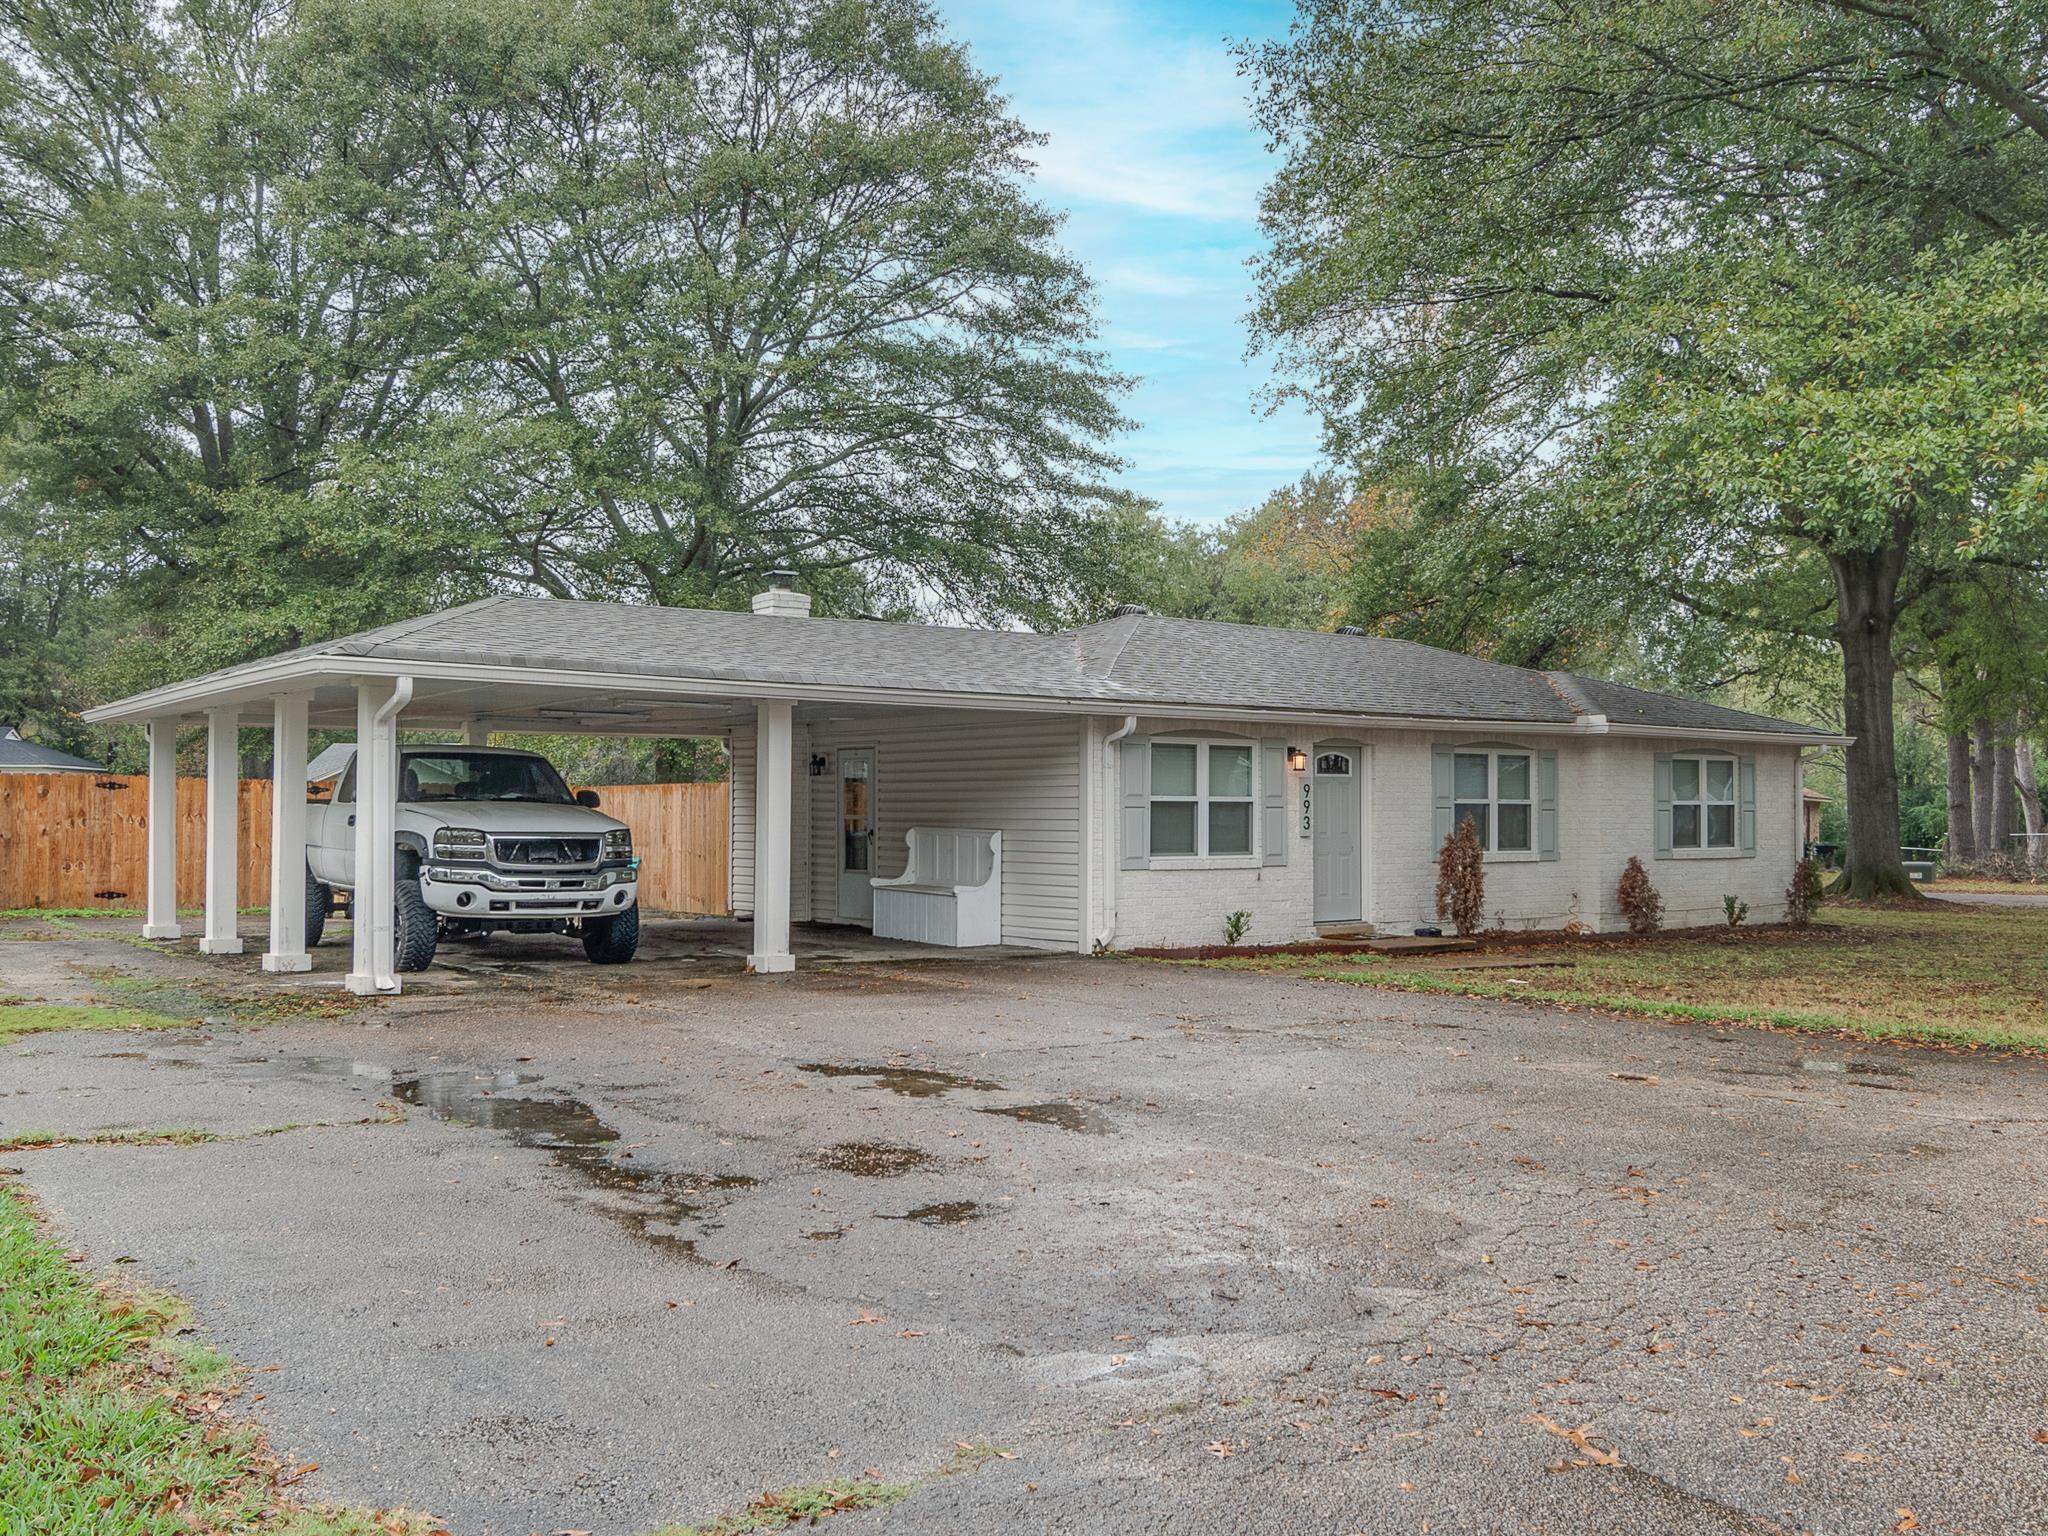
x: 1297, y: 759
x: 817, y: 765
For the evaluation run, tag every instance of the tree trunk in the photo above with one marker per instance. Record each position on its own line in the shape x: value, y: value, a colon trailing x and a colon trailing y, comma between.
x: 2001, y: 792
x: 1981, y: 776
x: 1962, y: 829
x: 2030, y: 802
x: 1866, y: 608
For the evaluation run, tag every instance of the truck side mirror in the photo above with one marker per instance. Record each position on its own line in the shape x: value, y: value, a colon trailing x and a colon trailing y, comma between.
x: 587, y: 798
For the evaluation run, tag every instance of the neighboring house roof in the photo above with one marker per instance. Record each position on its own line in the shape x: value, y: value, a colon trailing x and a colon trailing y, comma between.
x: 1814, y: 797
x: 21, y: 756
x: 1134, y: 662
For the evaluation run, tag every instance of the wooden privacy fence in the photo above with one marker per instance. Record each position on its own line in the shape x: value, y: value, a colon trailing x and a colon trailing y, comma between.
x: 78, y: 840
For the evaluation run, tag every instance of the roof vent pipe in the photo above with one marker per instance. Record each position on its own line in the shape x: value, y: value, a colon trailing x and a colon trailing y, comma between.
x: 782, y: 599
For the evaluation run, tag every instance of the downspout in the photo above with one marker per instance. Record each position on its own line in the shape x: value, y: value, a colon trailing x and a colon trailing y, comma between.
x: 401, y: 695
x: 1112, y: 814
x: 384, y: 865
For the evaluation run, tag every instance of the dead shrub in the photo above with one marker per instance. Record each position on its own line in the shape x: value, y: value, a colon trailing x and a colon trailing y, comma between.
x: 1461, y: 881
x: 1638, y: 899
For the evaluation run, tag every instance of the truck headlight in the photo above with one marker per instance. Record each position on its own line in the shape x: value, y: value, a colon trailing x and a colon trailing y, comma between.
x: 458, y: 843
x: 618, y: 842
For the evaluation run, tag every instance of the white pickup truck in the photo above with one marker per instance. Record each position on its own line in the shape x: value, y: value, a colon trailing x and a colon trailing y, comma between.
x: 489, y: 839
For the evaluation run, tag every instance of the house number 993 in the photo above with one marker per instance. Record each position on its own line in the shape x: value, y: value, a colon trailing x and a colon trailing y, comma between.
x: 1308, y: 803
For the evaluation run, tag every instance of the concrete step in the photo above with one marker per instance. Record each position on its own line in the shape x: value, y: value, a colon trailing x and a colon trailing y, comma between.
x: 1416, y: 944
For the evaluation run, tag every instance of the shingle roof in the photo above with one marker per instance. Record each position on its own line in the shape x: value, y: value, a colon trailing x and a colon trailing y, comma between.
x: 25, y: 756
x: 1136, y: 660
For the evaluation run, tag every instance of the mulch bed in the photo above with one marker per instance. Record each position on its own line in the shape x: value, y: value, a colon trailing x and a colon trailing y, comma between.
x: 1507, y: 941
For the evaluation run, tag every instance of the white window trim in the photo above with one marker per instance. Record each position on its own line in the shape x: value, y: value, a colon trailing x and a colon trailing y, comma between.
x: 1201, y: 800
x: 1491, y: 854
x: 1701, y: 849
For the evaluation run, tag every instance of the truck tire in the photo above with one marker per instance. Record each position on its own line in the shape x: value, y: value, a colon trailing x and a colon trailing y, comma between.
x: 418, y: 929
x: 319, y: 902
x: 612, y: 940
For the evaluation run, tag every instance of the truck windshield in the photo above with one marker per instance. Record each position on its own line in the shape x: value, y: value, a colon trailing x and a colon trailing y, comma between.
x: 481, y: 776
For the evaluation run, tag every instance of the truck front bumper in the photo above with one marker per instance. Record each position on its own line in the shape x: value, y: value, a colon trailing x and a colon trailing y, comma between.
x: 477, y: 894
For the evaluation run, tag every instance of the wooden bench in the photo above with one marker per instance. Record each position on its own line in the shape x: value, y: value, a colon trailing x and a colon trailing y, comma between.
x: 951, y: 891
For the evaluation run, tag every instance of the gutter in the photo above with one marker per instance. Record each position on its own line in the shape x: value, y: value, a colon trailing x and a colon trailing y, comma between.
x: 265, y: 678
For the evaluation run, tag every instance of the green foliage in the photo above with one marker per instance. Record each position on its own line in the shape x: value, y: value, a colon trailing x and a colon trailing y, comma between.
x: 1236, y: 925
x: 1707, y: 330
x: 1735, y: 910
x: 327, y: 314
x: 1286, y: 562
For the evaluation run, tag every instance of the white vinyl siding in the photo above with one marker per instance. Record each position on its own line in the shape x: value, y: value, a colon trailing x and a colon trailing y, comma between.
x: 1018, y: 774
x: 740, y: 861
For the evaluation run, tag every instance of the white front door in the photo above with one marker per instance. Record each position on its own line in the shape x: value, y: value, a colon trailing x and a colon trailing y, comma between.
x: 856, y: 834
x: 1336, y: 833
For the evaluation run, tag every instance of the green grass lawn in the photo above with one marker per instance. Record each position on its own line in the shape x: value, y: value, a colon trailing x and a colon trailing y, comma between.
x: 111, y: 1421
x: 1929, y: 971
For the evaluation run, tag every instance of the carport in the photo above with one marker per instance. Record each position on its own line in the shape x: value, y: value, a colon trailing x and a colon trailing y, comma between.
x: 507, y: 664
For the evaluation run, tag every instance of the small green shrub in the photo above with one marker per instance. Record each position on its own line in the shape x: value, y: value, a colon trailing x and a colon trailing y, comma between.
x: 1735, y: 909
x: 1235, y: 924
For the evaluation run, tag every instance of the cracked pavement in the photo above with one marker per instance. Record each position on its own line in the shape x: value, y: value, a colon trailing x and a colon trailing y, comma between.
x: 1205, y: 1251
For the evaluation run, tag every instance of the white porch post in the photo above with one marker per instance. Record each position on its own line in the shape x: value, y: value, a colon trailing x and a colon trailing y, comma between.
x: 161, y: 918
x: 772, y: 767
x: 371, y: 901
x: 223, y: 843
x: 476, y: 734
x: 288, y: 836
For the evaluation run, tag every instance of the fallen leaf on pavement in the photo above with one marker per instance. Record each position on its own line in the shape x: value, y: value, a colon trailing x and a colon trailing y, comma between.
x: 1593, y: 1454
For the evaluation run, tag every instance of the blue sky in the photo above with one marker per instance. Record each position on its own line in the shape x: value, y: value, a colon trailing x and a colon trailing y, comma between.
x: 1153, y: 157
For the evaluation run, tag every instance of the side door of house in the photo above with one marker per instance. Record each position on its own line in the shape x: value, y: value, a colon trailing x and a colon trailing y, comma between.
x: 1338, y: 834
x: 856, y: 835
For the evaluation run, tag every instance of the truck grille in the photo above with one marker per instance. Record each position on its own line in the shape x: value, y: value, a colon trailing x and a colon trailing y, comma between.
x: 545, y: 852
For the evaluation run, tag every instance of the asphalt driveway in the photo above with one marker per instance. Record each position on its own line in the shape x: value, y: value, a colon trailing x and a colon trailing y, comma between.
x: 1202, y: 1252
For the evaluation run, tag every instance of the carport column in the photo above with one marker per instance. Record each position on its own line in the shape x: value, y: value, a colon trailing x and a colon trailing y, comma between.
x: 772, y: 767
x: 161, y: 919
x: 476, y: 734
x: 288, y: 836
x: 223, y: 845
x: 370, y: 901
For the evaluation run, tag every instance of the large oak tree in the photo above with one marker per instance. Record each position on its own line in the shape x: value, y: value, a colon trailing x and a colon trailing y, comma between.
x: 1487, y: 208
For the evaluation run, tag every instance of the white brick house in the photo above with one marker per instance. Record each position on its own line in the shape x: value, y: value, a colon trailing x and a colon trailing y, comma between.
x: 1147, y: 776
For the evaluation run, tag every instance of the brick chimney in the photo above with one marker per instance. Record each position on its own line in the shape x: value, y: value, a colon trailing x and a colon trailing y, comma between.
x: 782, y: 598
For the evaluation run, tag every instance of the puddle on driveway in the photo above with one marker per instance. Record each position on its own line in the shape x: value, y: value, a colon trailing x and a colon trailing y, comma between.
x: 872, y: 1159
x: 949, y: 1213
x: 649, y: 1206
x: 1066, y: 1117
x: 911, y: 1082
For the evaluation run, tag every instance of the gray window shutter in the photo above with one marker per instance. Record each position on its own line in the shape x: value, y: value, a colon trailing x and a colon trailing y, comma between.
x: 1272, y: 802
x: 1661, y: 811
x: 1134, y: 831
x: 1745, y: 810
x: 1440, y: 770
x: 1546, y: 804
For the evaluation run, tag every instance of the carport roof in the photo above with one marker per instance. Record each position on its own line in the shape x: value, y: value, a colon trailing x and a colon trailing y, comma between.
x: 1134, y: 662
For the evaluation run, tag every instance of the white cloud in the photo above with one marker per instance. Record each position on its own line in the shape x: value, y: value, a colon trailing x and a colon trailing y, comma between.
x: 1135, y: 114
